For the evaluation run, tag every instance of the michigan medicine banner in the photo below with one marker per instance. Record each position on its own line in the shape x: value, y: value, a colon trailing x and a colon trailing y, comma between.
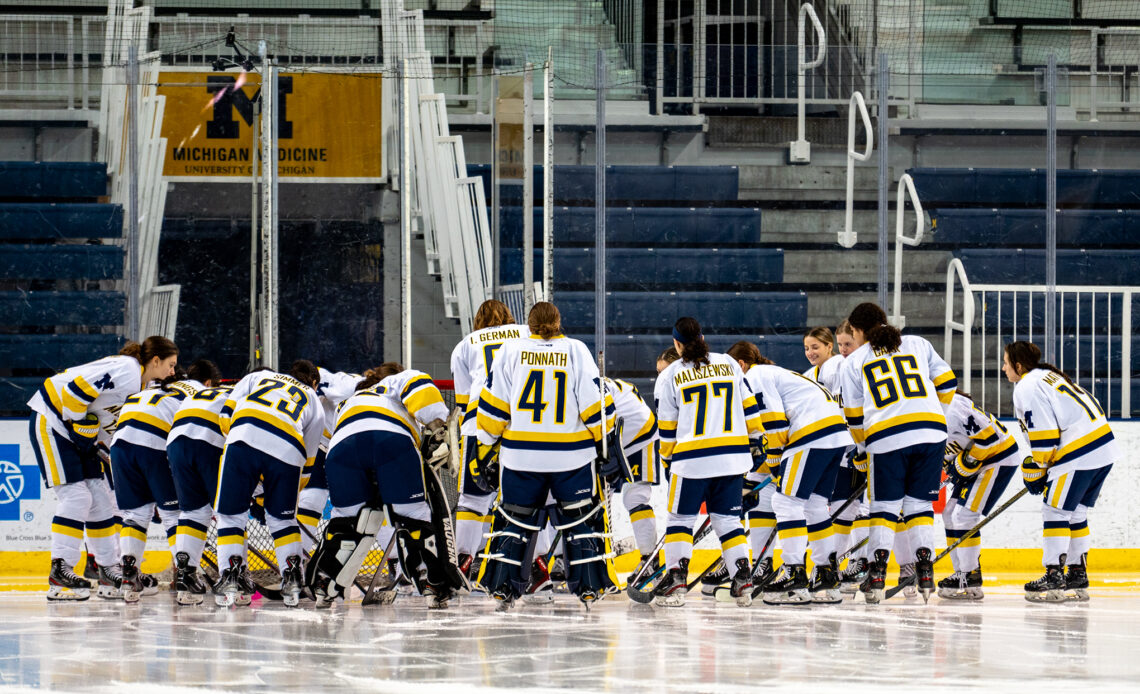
x: 329, y: 126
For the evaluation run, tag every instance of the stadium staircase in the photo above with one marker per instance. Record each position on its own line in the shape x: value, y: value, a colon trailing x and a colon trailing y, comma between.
x: 60, y: 304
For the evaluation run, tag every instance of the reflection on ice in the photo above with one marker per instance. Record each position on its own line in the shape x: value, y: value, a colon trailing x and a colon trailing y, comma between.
x: 1003, y: 643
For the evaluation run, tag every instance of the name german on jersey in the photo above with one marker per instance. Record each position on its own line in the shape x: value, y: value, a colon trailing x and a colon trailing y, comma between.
x: 544, y: 358
x: 494, y: 336
x: 706, y: 371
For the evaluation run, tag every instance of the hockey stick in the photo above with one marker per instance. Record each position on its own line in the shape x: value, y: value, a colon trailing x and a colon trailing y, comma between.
x: 267, y: 591
x: 969, y: 533
x: 637, y: 592
x: 374, y: 595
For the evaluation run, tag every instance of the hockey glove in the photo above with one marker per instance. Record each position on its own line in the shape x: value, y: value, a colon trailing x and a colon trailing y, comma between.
x: 962, y: 468
x: 433, y: 447
x: 751, y: 494
x: 861, y: 462
x: 1034, y: 475
x: 85, y: 433
x: 485, y: 468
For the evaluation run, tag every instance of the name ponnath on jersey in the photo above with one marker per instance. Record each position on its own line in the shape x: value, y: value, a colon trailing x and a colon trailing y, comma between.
x: 544, y: 359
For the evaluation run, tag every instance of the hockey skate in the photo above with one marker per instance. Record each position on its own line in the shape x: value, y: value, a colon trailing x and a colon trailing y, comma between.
x: 191, y: 590
x: 924, y: 573
x: 91, y: 569
x: 470, y: 568
x: 962, y: 585
x: 906, y: 580
x: 132, y: 583
x: 233, y: 587
x: 824, y: 587
x: 291, y: 581
x: 64, y: 584
x: 790, y: 589
x: 1077, y: 582
x: 741, y: 589
x: 719, y: 577
x: 853, y: 576
x: 110, y: 583
x: 671, y: 590
x: 876, y: 579
x: 540, y: 589
x: 1048, y: 588
x: 150, y: 584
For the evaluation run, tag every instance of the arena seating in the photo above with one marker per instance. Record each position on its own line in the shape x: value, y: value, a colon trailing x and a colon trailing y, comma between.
x: 718, y: 311
x: 647, y: 226
x: 1027, y: 266
x: 645, y: 183
x: 1001, y: 187
x: 55, y: 248
x: 990, y: 227
x: 636, y: 355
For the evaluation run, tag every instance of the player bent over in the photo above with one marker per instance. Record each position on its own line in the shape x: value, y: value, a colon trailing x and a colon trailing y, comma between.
x: 333, y: 389
x: 982, y: 457
x: 69, y: 412
x: 1073, y: 451
x: 375, y: 461
x: 637, y: 433
x: 194, y: 450
x: 807, y: 438
x: 273, y: 423
x: 705, y: 414
x: 542, y: 404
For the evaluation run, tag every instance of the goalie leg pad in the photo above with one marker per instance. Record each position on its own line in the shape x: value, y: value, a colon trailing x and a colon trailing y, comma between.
x: 341, y: 551
x: 423, y: 554
x: 511, y: 533
x: 583, y: 531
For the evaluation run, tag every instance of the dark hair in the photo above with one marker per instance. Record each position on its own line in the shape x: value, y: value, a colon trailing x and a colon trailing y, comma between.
x: 964, y: 394
x: 694, y: 349
x: 823, y: 334
x: 378, y: 373
x: 1028, y: 355
x: 153, y: 346
x: 669, y: 356
x: 491, y: 313
x: 748, y: 353
x: 872, y: 321
x: 178, y: 375
x: 205, y: 371
x: 544, y: 320
x: 306, y: 372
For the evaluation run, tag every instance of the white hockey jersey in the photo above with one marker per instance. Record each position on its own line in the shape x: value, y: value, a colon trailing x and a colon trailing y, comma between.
x: 333, y: 389
x: 401, y: 403
x: 797, y: 412
x: 543, y: 400
x: 276, y: 414
x: 971, y: 429
x: 828, y: 373
x: 100, y: 387
x: 471, y: 361
x: 198, y: 417
x: 639, y: 424
x: 894, y: 399
x: 1065, y: 424
x: 146, y: 417
x: 705, y: 414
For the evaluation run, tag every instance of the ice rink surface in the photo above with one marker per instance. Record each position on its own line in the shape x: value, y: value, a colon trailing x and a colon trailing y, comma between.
x: 1002, y: 644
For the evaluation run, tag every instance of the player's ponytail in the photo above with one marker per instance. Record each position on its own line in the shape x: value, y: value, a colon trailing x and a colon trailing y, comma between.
x: 544, y: 320
x: 153, y: 346
x: 694, y: 349
x: 872, y: 322
x: 492, y: 313
x: 1028, y: 356
x: 205, y: 371
x: 378, y: 373
x: 748, y: 353
x: 306, y: 372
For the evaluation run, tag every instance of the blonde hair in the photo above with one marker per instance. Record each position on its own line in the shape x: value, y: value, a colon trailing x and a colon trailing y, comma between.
x: 845, y: 328
x: 823, y: 334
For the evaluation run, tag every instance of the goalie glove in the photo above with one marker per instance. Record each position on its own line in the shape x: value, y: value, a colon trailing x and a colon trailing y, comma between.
x: 433, y: 446
x: 1034, y: 475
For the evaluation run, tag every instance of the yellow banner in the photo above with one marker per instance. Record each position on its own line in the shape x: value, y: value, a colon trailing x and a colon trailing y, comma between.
x: 329, y: 125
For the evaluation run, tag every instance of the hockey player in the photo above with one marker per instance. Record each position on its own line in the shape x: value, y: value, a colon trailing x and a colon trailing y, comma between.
x: 845, y: 339
x: 894, y: 389
x: 375, y: 461
x: 273, y: 424
x: 471, y: 361
x: 705, y: 414
x: 981, y: 458
x: 542, y: 404
x: 638, y: 434
x: 194, y: 450
x: 333, y: 389
x: 1073, y: 450
x: 143, y: 479
x: 807, y: 438
x: 819, y: 348
x: 69, y: 414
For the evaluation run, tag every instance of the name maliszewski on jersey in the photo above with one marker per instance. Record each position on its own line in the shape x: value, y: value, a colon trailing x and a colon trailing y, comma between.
x: 495, y: 336
x: 544, y: 358
x: 700, y: 372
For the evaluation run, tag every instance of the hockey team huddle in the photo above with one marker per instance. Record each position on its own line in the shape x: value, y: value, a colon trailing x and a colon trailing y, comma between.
x: 839, y: 466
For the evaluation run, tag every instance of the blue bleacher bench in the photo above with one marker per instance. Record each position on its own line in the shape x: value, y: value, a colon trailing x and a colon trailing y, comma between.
x: 651, y: 183
x: 73, y: 220
x: 1027, y: 266
x: 642, y: 226
x: 57, y: 261
x: 724, y: 311
x: 41, y: 179
x: 997, y: 187
x: 1012, y: 227
x: 43, y: 308
x: 55, y: 352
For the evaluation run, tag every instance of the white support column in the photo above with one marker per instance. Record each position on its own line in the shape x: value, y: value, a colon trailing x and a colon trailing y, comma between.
x: 548, y: 178
x: 269, y: 235
x: 405, y: 215
x: 528, y: 187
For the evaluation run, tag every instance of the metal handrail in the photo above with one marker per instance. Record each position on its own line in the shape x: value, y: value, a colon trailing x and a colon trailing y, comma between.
x: 906, y: 184
x: 956, y: 271
x: 848, y: 235
x: 801, y: 149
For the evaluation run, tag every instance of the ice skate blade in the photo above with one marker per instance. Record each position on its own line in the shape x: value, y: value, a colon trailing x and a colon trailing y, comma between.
x: 109, y: 593
x: 185, y: 597
x: 291, y: 599
x: 1046, y: 596
x: 1077, y: 595
x: 60, y: 594
x: 968, y: 595
x: 676, y: 599
x: 544, y: 598
x: 791, y: 597
x: 827, y: 597
x: 131, y: 596
x: 744, y: 600
x: 725, y: 595
x: 436, y: 604
x: 504, y: 605
x: 225, y: 600
x: 873, y: 597
x: 849, y: 588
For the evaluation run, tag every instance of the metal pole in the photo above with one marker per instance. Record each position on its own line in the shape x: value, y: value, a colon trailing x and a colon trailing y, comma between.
x: 528, y: 187
x: 600, y: 206
x: 548, y: 178
x: 1051, y: 210
x: 405, y: 215
x: 254, y: 352
x: 269, y: 236
x: 884, y: 163
x: 134, y: 308
x: 660, y: 91
x: 496, y: 280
